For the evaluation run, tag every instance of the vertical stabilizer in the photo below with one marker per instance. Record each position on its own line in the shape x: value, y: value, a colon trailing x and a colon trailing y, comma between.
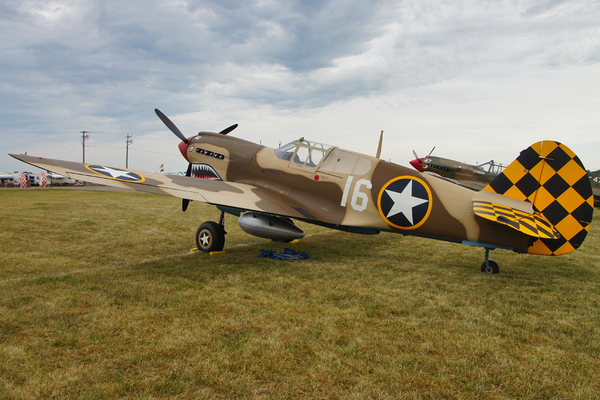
x: 551, y: 177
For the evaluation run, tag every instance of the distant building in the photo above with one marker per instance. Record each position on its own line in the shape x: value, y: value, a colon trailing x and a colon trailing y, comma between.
x: 14, y: 179
x: 9, y: 179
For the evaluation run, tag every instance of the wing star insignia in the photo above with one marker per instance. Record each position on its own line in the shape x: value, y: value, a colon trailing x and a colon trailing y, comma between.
x: 115, y: 173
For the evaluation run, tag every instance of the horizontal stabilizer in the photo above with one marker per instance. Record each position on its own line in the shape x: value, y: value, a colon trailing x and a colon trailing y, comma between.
x: 535, y: 225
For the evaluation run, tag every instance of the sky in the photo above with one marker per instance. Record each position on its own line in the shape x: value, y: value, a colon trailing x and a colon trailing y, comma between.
x: 479, y: 80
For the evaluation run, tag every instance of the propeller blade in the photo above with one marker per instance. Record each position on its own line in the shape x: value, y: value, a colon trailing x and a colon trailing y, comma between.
x: 185, y: 202
x: 415, y: 154
x: 170, y: 125
x: 227, y: 130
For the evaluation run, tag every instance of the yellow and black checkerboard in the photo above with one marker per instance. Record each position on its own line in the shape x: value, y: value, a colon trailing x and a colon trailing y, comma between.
x: 551, y: 177
x: 534, y: 225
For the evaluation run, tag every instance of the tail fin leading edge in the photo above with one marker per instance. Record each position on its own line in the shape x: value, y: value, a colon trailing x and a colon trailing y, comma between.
x: 551, y: 177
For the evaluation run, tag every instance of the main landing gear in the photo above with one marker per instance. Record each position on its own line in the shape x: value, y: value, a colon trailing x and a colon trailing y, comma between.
x: 489, y: 266
x: 210, y: 236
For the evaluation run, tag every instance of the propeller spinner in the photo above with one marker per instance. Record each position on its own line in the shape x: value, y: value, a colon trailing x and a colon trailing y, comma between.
x: 417, y: 163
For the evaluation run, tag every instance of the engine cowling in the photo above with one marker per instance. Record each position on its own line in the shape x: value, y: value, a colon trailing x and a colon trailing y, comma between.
x: 270, y: 227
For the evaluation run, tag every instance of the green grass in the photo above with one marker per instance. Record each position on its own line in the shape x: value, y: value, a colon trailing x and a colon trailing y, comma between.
x: 100, y: 298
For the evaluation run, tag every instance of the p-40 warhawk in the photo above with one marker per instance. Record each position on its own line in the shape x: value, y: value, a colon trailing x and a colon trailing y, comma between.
x: 542, y: 203
x: 474, y: 177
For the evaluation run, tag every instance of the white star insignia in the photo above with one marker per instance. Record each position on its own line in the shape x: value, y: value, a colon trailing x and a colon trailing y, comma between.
x: 116, y: 173
x: 404, y: 202
x: 205, y: 239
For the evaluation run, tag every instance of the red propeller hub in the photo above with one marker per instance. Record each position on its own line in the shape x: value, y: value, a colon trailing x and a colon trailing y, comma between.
x: 417, y: 164
x: 183, y: 146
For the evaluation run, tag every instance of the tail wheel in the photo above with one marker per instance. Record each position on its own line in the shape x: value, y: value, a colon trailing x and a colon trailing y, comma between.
x: 491, y: 268
x: 210, y: 236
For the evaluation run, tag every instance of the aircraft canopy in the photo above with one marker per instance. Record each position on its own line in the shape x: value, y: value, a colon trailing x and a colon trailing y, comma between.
x: 307, y: 156
x: 305, y: 152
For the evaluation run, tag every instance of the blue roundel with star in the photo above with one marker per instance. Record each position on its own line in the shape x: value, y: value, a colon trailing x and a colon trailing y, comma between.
x: 405, y: 202
x: 115, y: 173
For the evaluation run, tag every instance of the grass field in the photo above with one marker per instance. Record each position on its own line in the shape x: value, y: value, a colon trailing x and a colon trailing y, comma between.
x: 101, y: 298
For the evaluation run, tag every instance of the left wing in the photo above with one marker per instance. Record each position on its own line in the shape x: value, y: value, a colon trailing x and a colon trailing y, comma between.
x: 231, y: 194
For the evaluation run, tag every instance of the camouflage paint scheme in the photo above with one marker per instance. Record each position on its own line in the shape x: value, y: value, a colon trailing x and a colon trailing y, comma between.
x: 329, y: 186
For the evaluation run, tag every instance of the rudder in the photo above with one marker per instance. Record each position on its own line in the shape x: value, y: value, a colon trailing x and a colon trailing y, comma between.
x: 551, y: 177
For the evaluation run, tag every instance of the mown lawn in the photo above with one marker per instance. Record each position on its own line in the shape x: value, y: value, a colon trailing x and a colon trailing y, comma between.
x: 101, y: 298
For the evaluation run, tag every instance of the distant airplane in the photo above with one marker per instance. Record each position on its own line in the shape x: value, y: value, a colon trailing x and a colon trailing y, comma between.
x: 542, y: 203
x: 474, y: 177
x: 595, y: 182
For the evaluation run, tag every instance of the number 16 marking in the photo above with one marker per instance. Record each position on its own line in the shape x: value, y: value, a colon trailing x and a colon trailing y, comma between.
x: 356, y: 194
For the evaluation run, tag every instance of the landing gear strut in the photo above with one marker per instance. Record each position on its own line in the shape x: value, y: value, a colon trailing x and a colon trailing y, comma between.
x: 488, y: 265
x: 210, y: 236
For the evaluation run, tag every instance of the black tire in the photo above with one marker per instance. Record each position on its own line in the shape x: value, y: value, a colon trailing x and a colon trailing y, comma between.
x: 210, y: 236
x: 494, y: 268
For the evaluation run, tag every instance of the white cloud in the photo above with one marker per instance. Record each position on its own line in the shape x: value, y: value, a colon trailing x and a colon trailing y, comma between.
x: 455, y: 74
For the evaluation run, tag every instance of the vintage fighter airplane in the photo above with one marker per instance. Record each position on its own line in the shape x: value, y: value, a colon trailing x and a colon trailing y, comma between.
x: 474, y: 177
x: 595, y: 182
x: 541, y: 203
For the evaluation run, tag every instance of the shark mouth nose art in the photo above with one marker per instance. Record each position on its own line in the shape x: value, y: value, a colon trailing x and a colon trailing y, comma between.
x: 205, y: 171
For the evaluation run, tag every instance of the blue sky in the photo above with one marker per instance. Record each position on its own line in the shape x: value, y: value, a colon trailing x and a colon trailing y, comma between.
x: 479, y: 80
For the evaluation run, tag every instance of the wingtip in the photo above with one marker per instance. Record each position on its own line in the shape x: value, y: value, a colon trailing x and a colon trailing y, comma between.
x: 16, y: 156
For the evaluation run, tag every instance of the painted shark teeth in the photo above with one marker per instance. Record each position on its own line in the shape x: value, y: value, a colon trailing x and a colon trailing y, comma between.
x: 205, y: 171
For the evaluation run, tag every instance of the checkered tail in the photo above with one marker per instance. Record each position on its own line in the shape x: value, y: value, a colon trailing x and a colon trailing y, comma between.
x: 551, y: 177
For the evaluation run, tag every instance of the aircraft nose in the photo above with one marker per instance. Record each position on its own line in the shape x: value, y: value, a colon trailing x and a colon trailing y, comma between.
x: 417, y: 164
x: 183, y: 149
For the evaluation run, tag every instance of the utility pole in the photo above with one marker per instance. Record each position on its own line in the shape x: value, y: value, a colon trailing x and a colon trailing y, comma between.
x: 84, y: 135
x: 128, y: 141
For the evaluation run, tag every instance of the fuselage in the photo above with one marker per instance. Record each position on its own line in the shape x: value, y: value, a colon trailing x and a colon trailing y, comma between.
x: 352, y: 191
